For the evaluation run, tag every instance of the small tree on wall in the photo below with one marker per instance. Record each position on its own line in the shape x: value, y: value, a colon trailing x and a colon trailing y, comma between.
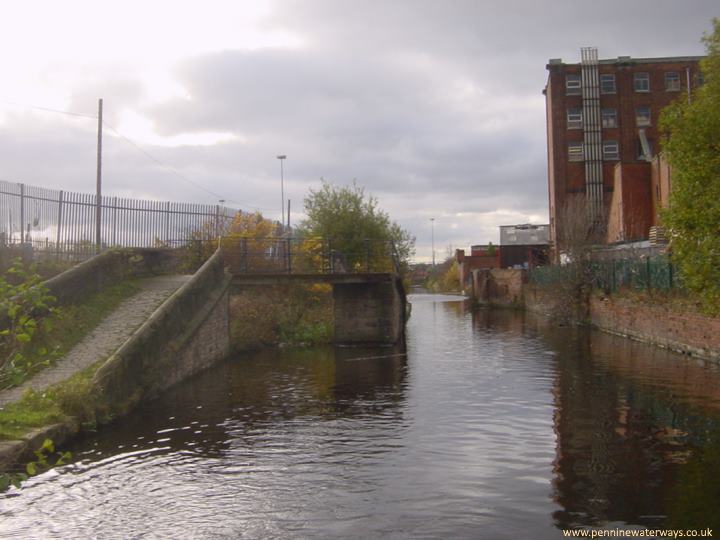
x: 580, y: 231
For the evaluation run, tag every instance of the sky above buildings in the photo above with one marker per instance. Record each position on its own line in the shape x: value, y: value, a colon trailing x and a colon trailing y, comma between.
x: 435, y: 107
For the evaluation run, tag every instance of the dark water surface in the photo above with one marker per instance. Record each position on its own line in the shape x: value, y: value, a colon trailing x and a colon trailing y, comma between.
x: 494, y: 425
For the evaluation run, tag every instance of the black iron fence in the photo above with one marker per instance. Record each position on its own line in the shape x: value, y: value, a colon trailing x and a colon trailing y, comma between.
x: 64, y: 223
x: 657, y: 272
x: 309, y: 255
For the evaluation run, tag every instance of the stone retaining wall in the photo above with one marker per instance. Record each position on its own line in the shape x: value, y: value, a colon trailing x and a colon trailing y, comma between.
x: 187, y: 334
x: 499, y: 286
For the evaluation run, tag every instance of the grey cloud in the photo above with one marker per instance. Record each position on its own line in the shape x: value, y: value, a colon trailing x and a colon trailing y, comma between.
x: 434, y: 107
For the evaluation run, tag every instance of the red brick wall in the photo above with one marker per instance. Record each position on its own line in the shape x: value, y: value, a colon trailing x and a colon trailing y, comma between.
x: 469, y: 263
x: 630, y: 212
x: 566, y: 178
x: 660, y: 179
x: 680, y: 331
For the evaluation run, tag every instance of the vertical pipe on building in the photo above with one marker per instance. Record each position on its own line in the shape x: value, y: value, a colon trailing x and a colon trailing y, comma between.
x: 592, y: 133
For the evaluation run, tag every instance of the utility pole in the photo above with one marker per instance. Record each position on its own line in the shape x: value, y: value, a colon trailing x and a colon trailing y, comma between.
x: 98, y: 190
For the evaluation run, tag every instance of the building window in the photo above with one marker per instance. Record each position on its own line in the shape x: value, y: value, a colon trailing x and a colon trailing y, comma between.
x: 611, y: 150
x: 609, y: 118
x: 572, y: 85
x: 641, y: 82
x: 575, y: 151
x: 642, y: 116
x: 607, y: 83
x: 574, y: 119
x: 672, y: 81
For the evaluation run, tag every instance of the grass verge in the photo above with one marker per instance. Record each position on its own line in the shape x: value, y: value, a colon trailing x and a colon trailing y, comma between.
x: 65, y: 330
x: 72, y: 397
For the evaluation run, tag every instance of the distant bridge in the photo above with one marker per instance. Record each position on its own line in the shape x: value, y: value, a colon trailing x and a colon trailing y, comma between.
x: 369, y: 298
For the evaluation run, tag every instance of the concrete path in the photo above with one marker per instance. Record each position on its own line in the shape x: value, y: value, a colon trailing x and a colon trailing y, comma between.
x: 106, y: 338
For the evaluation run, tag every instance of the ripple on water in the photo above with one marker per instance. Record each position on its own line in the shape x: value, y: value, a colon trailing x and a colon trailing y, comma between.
x: 485, y: 429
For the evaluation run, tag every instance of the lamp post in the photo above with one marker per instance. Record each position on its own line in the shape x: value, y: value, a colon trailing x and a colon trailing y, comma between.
x: 282, y: 190
x: 432, y: 225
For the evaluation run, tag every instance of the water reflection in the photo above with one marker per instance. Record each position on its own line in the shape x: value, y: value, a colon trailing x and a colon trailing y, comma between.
x: 493, y: 424
x: 628, y: 418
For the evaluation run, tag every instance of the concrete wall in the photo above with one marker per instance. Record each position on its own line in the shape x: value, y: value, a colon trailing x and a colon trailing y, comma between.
x: 187, y: 334
x: 369, y: 313
x: 109, y: 267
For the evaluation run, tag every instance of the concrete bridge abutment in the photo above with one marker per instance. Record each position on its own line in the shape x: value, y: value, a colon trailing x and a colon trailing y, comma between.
x: 369, y: 313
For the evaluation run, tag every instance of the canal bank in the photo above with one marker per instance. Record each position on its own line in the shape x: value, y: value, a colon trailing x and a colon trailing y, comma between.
x: 653, y: 318
x: 493, y: 424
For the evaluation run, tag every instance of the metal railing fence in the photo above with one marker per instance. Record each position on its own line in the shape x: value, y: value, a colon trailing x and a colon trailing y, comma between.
x: 610, y: 275
x: 308, y: 255
x: 64, y: 222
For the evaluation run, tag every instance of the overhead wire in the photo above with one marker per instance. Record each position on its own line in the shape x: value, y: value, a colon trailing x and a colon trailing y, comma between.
x: 147, y: 154
x: 48, y: 109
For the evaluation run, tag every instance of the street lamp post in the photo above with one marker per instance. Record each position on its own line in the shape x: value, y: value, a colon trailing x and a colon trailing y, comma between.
x: 432, y: 225
x: 282, y: 190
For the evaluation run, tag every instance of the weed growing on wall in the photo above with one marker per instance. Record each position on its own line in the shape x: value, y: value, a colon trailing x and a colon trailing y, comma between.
x: 26, y: 309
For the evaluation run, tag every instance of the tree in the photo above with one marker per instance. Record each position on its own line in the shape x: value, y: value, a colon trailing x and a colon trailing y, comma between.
x: 692, y: 146
x: 354, y: 225
x: 579, y: 232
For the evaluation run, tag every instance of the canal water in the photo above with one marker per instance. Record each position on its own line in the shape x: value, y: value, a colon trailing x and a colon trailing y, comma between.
x: 492, y: 424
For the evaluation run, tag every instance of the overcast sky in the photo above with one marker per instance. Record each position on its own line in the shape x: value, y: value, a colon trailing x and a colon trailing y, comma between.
x: 435, y: 107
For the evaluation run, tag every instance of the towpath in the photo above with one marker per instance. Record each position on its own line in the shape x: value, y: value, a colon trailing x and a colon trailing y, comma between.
x: 106, y: 338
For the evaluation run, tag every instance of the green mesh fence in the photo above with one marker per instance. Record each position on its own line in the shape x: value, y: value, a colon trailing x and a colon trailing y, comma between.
x: 611, y: 275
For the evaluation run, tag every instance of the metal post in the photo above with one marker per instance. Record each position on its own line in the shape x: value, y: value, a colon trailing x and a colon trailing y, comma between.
x: 114, y: 222
x: 167, y: 224
x: 244, y: 255
x: 22, y: 213
x: 288, y: 248
x: 367, y: 255
x: 59, y: 223
x: 98, y: 194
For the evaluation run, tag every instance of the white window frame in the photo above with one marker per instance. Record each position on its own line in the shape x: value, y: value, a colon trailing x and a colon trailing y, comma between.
x: 605, y: 116
x: 642, y: 120
x: 573, y: 84
x: 574, y: 118
x: 672, y: 81
x: 641, y: 82
x: 576, y: 151
x: 604, y: 79
x: 611, y: 150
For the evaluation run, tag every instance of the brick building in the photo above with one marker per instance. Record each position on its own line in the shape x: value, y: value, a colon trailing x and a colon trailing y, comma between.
x: 481, y: 257
x: 602, y: 135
